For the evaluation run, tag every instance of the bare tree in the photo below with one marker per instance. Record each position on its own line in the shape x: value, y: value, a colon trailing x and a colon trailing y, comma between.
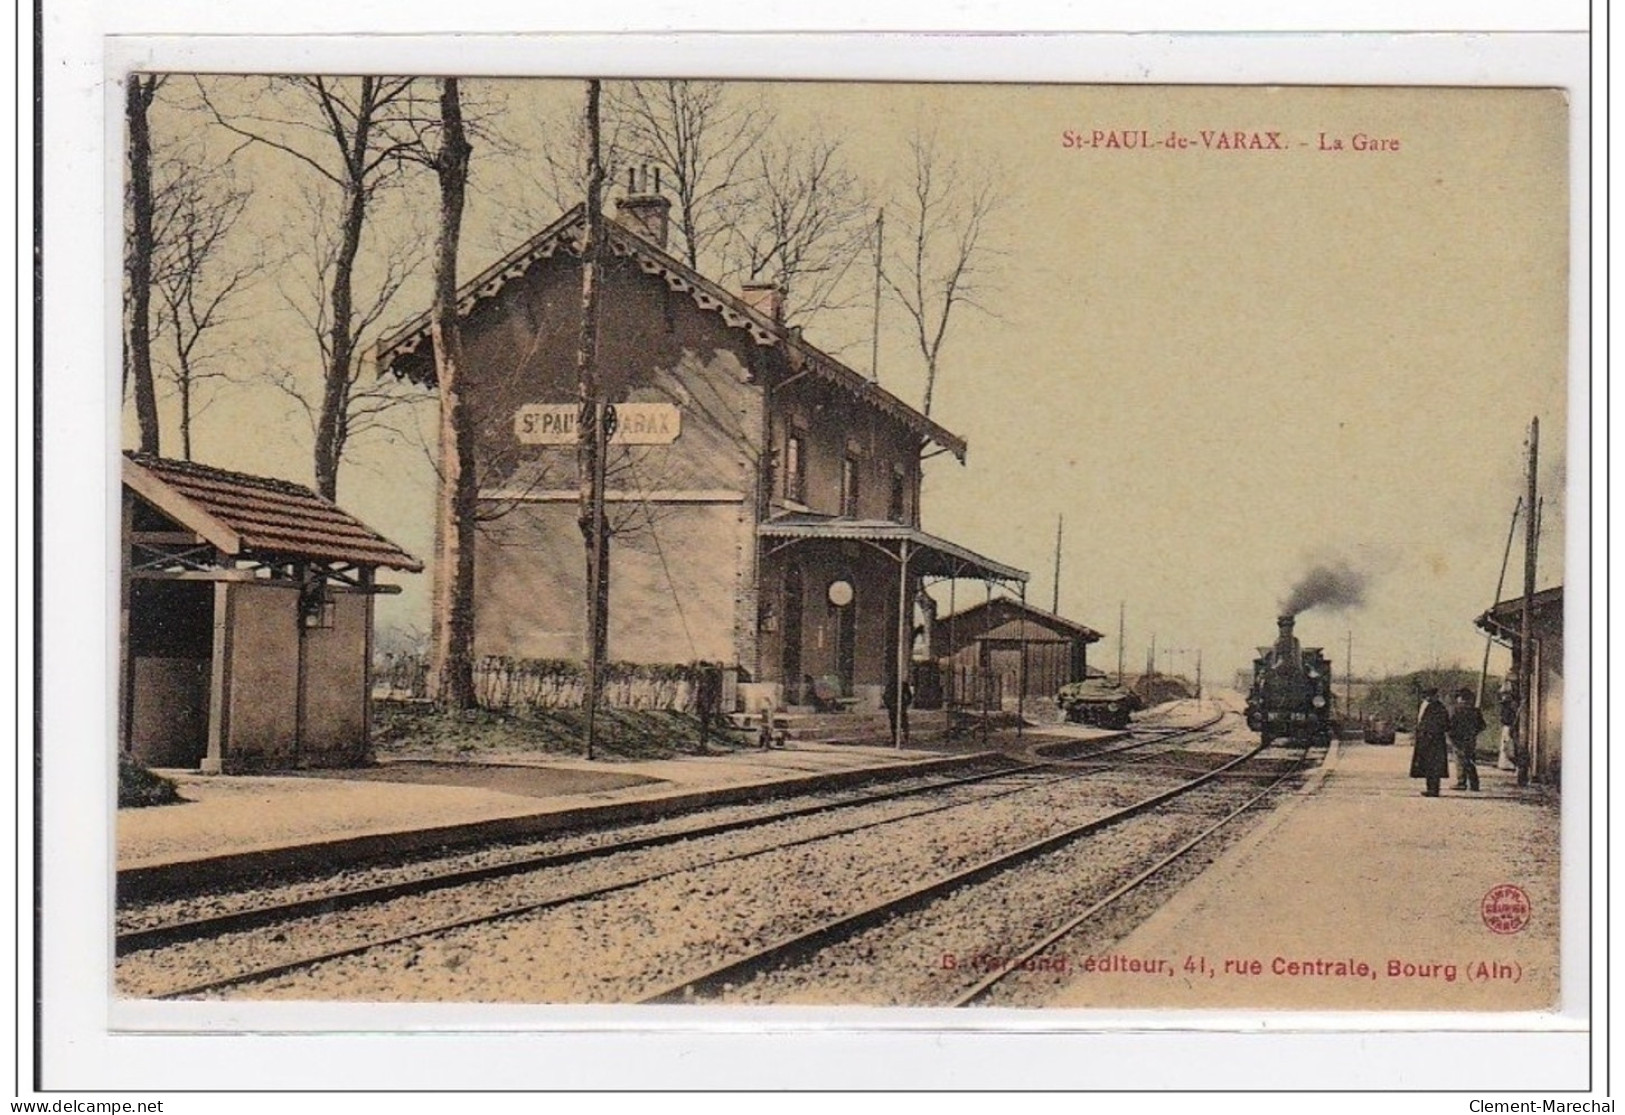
x: 197, y: 272
x: 459, y: 485
x: 701, y: 135
x: 357, y: 135
x: 800, y: 222
x: 368, y: 403
x: 945, y: 252
x: 551, y: 153
x: 139, y: 91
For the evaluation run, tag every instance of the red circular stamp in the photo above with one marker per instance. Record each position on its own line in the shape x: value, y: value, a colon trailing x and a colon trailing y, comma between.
x: 1505, y: 909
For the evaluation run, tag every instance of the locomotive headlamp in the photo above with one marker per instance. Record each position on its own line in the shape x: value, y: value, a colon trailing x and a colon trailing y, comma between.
x: 1318, y: 701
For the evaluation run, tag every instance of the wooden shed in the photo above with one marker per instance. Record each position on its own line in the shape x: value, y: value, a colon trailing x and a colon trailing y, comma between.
x: 246, y: 621
x: 1014, y: 641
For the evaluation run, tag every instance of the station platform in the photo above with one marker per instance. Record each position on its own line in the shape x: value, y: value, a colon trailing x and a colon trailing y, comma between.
x: 1358, y: 869
x: 234, y: 826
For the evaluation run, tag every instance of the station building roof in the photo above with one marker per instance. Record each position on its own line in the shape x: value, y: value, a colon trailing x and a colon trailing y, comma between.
x: 259, y: 517
x: 929, y: 555
x: 1007, y: 607
x: 405, y: 350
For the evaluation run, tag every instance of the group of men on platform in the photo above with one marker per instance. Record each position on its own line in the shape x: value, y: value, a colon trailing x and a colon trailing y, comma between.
x: 1441, y: 730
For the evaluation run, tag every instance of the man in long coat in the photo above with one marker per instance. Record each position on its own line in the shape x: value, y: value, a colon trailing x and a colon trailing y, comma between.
x: 1430, y: 754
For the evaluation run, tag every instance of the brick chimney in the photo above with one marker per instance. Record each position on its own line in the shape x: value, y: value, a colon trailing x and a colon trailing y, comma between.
x: 645, y: 211
x: 766, y: 299
x: 647, y: 215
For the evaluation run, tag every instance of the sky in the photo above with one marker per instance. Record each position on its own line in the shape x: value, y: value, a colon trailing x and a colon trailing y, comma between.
x: 1220, y: 366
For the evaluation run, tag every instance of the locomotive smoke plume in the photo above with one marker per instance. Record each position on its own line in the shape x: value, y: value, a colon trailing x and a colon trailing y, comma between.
x: 1335, y: 586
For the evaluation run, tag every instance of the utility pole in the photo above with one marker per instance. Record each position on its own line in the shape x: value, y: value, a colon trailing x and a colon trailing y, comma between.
x: 1198, y: 673
x: 1500, y: 584
x: 880, y: 246
x: 592, y: 452
x: 1120, y: 642
x: 1348, y: 675
x: 1526, y: 659
x: 1055, y: 606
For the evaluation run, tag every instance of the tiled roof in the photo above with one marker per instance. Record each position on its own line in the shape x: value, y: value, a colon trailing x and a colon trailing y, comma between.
x: 256, y: 516
x: 396, y: 350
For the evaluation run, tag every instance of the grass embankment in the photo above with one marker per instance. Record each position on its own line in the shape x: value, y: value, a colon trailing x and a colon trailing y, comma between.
x: 419, y: 730
x: 138, y: 787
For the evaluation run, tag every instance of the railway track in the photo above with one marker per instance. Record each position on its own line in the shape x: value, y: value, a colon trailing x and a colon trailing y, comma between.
x: 1032, y: 958
x: 133, y: 936
x: 723, y: 979
x: 1026, y: 778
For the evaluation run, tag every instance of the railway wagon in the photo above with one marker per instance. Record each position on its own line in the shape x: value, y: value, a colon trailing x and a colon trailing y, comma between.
x: 1291, y: 695
x: 1098, y: 702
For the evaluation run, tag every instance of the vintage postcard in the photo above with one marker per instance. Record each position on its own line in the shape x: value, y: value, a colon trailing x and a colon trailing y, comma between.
x: 1002, y: 554
x: 686, y: 541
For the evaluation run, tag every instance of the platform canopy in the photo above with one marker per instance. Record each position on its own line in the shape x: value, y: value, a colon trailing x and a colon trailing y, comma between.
x: 220, y: 525
x: 926, y: 554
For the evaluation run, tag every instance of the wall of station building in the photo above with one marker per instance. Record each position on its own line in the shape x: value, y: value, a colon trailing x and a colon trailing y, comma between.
x: 833, y: 430
x: 682, y: 515
x: 674, y: 586
x: 684, y: 576
x: 872, y: 622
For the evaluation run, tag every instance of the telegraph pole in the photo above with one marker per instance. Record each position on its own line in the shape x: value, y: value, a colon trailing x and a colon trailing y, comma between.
x: 1500, y: 584
x: 880, y: 243
x: 1348, y: 676
x: 1120, y: 642
x: 1526, y: 659
x: 1055, y: 606
x: 592, y: 451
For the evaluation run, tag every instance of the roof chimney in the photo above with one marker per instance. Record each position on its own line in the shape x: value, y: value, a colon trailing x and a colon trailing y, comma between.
x: 644, y: 210
x: 766, y: 299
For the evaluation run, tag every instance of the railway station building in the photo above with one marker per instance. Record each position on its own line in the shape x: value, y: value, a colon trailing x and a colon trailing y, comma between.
x: 246, y: 621
x: 1543, y: 711
x: 763, y: 498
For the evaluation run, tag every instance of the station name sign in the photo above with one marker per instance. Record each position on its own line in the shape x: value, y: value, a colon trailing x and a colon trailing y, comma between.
x: 630, y: 424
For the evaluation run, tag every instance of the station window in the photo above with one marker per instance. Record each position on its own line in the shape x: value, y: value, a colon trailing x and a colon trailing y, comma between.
x: 849, y: 487
x: 897, y: 505
x: 795, y: 471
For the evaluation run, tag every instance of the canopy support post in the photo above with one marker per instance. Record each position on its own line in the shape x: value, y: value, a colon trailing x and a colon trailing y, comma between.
x: 1021, y: 671
x: 900, y: 665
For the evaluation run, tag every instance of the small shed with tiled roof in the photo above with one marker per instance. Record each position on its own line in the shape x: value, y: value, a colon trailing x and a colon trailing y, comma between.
x: 247, y: 617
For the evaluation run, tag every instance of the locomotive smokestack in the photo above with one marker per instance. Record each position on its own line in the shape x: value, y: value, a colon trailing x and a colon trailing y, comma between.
x: 1284, y: 642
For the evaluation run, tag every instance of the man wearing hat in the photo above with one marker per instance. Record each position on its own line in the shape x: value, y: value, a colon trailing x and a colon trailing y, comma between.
x: 1465, y: 724
x: 1430, y: 751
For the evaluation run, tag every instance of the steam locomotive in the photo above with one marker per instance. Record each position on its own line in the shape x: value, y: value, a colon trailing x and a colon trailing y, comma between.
x: 1291, y: 697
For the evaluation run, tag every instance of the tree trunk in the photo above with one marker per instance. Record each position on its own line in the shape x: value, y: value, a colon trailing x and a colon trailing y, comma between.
x: 332, y: 426
x: 591, y: 454
x: 186, y: 413
x: 138, y: 95
x: 459, y: 489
